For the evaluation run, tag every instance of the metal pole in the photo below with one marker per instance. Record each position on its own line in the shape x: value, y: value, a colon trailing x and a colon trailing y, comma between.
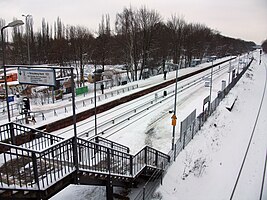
x: 95, y: 100
x: 75, y: 150
x: 238, y: 64
x: 73, y: 103
x: 6, y: 92
x: 211, y: 73
x: 174, y: 109
x: 28, y: 40
x: 229, y: 72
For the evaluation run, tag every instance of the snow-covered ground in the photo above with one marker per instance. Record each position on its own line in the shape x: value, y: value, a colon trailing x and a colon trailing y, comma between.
x: 220, y: 146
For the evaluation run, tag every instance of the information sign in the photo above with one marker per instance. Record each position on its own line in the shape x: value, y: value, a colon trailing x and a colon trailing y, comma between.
x: 37, y: 76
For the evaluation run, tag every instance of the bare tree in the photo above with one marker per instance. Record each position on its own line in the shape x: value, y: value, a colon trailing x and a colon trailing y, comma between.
x: 18, y: 55
x: 176, y: 27
x: 148, y: 19
x: 103, y: 41
x: 127, y: 28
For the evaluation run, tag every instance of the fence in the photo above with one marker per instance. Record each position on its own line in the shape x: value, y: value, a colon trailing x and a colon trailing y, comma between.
x: 40, y: 116
x: 196, y: 125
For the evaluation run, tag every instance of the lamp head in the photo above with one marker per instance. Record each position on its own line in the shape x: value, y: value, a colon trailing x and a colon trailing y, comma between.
x: 15, y: 23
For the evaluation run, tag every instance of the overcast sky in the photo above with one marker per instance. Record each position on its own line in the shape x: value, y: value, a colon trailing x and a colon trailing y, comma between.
x: 244, y: 19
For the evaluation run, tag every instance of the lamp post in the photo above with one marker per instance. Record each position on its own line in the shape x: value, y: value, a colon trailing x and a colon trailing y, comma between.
x: 211, y: 73
x: 230, y: 68
x: 82, y: 69
x: 11, y: 24
x: 174, y: 109
x: 27, y: 33
x: 95, y: 73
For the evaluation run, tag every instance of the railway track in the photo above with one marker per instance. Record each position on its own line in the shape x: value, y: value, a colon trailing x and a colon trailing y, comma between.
x: 129, y: 116
x: 245, y: 158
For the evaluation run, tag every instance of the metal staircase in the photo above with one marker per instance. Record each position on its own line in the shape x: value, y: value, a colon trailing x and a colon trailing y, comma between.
x: 37, y: 165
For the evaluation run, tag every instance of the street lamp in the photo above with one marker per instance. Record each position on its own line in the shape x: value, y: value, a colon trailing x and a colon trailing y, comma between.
x: 230, y: 69
x: 174, y: 109
x: 211, y: 73
x: 27, y: 33
x: 95, y: 74
x: 82, y: 69
x: 11, y: 24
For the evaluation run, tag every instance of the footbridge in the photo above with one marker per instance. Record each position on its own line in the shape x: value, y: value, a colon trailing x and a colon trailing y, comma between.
x: 37, y: 165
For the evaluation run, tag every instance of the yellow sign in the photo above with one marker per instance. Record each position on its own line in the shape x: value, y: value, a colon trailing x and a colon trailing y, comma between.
x: 174, y: 120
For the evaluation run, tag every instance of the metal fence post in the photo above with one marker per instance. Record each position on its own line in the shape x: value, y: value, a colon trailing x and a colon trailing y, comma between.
x: 146, y: 155
x: 144, y: 192
x: 183, y: 139
x: 193, y: 129
x: 174, y: 152
x: 156, y: 159
x: 131, y: 165
x: 35, y: 170
x: 12, y: 135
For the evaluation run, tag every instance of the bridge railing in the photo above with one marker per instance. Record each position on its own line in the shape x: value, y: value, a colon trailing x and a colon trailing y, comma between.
x: 20, y: 135
x: 34, y: 170
x: 96, y: 157
x: 110, y: 144
x: 149, y: 157
x: 28, y: 169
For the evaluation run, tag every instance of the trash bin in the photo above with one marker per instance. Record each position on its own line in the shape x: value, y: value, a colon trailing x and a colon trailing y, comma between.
x: 165, y: 93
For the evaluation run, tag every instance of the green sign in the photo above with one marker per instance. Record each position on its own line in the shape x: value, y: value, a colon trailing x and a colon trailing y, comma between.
x: 81, y: 90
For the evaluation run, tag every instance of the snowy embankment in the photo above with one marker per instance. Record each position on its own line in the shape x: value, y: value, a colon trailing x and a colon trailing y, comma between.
x: 209, y: 165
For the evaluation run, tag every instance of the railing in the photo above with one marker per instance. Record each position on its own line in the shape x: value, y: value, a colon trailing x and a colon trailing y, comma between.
x: 27, y: 169
x: 35, y: 170
x: 149, y: 157
x: 110, y: 144
x: 150, y: 186
x: 95, y: 157
x: 40, y: 116
x: 31, y: 138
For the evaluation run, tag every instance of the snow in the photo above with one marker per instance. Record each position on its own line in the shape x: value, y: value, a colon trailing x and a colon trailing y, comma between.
x: 208, y: 167
x: 222, y: 148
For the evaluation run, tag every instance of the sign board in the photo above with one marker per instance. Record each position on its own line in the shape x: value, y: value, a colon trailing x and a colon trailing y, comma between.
x: 187, y: 122
x: 223, y: 85
x: 81, y: 90
x: 207, y: 82
x: 37, y: 76
x: 174, y: 120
